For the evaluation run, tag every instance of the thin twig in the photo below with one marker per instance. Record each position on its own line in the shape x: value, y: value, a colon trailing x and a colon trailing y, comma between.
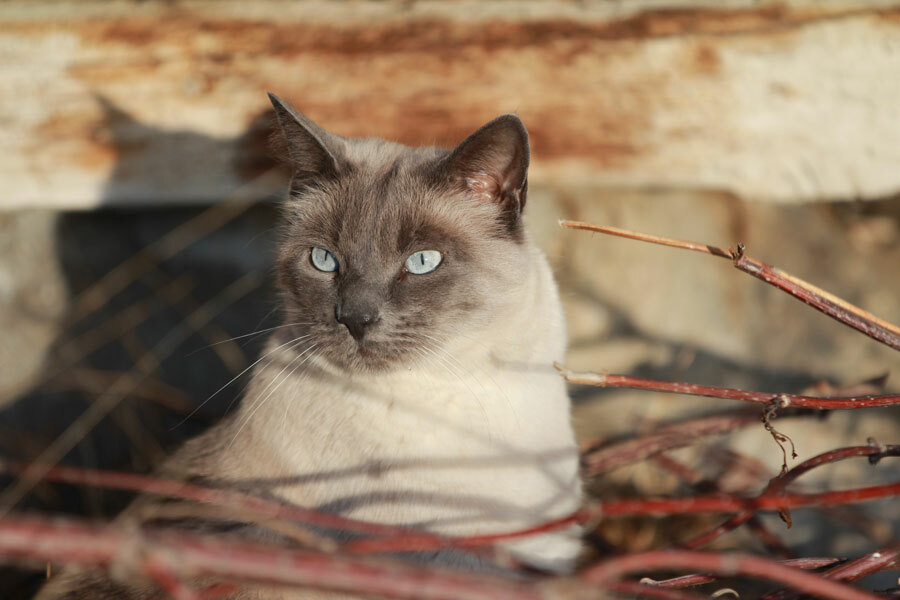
x: 600, y: 458
x: 729, y: 504
x: 727, y: 564
x: 267, y: 512
x: 640, y: 589
x: 98, y: 409
x: 797, y: 563
x: 768, y: 539
x: 852, y: 570
x: 646, y: 237
x: 709, y: 391
x: 876, y: 328
x: 235, y: 204
x: 37, y: 540
x: 779, y: 483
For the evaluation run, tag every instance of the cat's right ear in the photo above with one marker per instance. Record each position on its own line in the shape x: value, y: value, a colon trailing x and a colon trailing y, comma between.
x: 312, y: 151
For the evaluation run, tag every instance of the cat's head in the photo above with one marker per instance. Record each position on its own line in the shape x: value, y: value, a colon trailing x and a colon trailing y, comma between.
x: 391, y: 253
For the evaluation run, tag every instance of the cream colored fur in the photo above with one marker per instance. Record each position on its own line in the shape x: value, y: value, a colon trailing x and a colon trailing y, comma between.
x: 481, y: 427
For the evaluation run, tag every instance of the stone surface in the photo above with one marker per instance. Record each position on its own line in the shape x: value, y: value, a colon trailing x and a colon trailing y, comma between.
x: 33, y: 297
x: 125, y: 103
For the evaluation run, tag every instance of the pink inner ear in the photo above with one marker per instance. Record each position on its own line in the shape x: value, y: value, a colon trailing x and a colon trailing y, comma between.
x: 483, y: 187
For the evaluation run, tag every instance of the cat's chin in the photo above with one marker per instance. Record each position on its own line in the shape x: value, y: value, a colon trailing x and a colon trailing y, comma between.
x: 366, y: 357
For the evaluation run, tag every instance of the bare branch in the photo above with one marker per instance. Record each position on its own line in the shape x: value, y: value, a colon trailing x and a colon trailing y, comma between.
x: 38, y: 540
x: 876, y: 328
x: 726, y: 564
x: 691, y: 389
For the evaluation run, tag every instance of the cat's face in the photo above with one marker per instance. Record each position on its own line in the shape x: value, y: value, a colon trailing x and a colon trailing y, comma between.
x: 391, y: 253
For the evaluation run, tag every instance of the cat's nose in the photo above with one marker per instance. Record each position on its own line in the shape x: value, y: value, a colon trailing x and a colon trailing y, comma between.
x: 356, y: 317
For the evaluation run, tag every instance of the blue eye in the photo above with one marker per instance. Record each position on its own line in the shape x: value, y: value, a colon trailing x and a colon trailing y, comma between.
x: 323, y: 260
x: 424, y: 261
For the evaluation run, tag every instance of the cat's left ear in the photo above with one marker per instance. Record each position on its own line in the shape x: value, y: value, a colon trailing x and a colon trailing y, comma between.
x: 492, y: 164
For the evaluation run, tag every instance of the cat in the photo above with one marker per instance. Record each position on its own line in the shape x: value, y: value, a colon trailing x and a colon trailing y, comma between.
x: 412, y: 381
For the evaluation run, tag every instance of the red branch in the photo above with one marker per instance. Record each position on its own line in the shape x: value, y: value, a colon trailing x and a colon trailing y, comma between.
x: 602, y: 458
x: 691, y: 389
x: 781, y: 482
x: 836, y: 308
x: 641, y: 506
x: 36, y: 540
x: 756, y: 526
x: 406, y: 539
x: 878, y: 329
x: 852, y: 570
x: 642, y: 590
x: 253, y: 505
x: 797, y: 563
x: 726, y: 564
x: 727, y: 504
x: 866, y: 565
x: 411, y: 543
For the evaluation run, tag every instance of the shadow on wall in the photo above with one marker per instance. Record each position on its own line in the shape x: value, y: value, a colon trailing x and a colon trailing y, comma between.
x: 132, y: 303
x: 176, y: 164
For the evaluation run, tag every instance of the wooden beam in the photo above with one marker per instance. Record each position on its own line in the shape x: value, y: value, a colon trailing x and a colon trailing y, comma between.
x: 159, y: 102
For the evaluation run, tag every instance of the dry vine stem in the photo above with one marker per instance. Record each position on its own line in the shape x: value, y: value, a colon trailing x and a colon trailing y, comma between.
x: 878, y: 329
x: 401, y: 539
x: 726, y: 564
x: 781, y: 482
x: 190, y: 555
x: 710, y: 391
x: 171, y: 558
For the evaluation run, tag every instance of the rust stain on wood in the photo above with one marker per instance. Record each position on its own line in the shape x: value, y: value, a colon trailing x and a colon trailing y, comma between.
x: 417, y: 81
x: 432, y: 35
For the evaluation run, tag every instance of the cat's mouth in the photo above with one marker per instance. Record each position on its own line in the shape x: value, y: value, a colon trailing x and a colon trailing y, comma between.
x: 368, y: 354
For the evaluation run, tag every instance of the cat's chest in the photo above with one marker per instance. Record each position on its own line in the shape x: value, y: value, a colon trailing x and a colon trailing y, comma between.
x: 501, y: 440
x: 458, y: 414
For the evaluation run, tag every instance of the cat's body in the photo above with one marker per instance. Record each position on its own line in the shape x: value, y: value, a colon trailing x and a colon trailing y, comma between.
x: 426, y: 400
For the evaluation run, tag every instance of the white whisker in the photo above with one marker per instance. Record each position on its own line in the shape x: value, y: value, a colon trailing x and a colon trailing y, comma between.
x: 236, y: 377
x: 240, y: 337
x: 259, y: 403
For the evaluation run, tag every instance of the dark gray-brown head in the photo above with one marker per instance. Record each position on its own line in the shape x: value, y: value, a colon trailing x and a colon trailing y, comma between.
x: 392, y: 252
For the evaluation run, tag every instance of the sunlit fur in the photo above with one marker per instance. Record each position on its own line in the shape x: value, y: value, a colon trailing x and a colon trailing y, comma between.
x: 385, y: 209
x: 447, y: 414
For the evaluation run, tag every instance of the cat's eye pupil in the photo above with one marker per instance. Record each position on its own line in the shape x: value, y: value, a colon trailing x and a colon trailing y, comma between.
x: 424, y: 261
x: 323, y: 260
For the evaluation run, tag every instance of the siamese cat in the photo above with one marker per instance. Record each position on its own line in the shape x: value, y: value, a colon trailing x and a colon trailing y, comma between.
x: 412, y: 381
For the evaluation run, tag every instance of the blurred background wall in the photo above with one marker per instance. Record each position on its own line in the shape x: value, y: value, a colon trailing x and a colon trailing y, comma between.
x: 137, y: 199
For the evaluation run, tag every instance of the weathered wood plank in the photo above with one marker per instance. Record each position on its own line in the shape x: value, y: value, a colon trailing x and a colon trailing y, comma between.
x: 155, y: 102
